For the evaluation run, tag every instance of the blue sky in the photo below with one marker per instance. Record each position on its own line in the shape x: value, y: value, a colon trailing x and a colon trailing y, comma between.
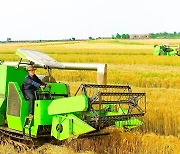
x: 63, y: 19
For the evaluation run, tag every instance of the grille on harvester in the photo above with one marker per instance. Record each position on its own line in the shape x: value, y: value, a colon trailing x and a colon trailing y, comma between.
x: 14, y: 101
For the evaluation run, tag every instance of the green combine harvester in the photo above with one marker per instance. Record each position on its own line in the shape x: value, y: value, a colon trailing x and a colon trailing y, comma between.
x: 166, y: 50
x: 56, y: 113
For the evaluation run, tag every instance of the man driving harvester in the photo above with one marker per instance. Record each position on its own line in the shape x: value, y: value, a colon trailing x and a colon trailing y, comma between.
x: 31, y: 83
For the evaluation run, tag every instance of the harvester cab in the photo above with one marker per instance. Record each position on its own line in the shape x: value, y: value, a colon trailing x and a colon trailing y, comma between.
x: 166, y: 50
x: 56, y: 113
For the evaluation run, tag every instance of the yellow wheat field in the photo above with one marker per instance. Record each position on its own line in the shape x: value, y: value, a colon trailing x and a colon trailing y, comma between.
x: 130, y: 62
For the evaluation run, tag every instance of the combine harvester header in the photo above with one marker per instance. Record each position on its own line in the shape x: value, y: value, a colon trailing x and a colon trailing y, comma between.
x: 56, y: 113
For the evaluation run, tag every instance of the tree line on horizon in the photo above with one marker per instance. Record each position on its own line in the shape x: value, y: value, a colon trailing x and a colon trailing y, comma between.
x: 165, y: 35
x: 161, y: 35
x: 123, y: 36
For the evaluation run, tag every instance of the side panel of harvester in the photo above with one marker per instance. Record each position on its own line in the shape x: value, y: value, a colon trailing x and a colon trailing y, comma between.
x: 17, y: 107
x: 8, y: 74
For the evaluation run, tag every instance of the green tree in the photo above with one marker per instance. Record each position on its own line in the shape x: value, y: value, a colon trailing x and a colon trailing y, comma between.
x: 118, y: 36
x: 91, y: 38
x: 113, y: 37
x: 73, y: 38
x: 9, y: 39
x: 123, y: 36
x: 127, y: 36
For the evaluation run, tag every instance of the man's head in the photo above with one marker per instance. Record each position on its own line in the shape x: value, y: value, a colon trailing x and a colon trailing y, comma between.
x: 31, y: 70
